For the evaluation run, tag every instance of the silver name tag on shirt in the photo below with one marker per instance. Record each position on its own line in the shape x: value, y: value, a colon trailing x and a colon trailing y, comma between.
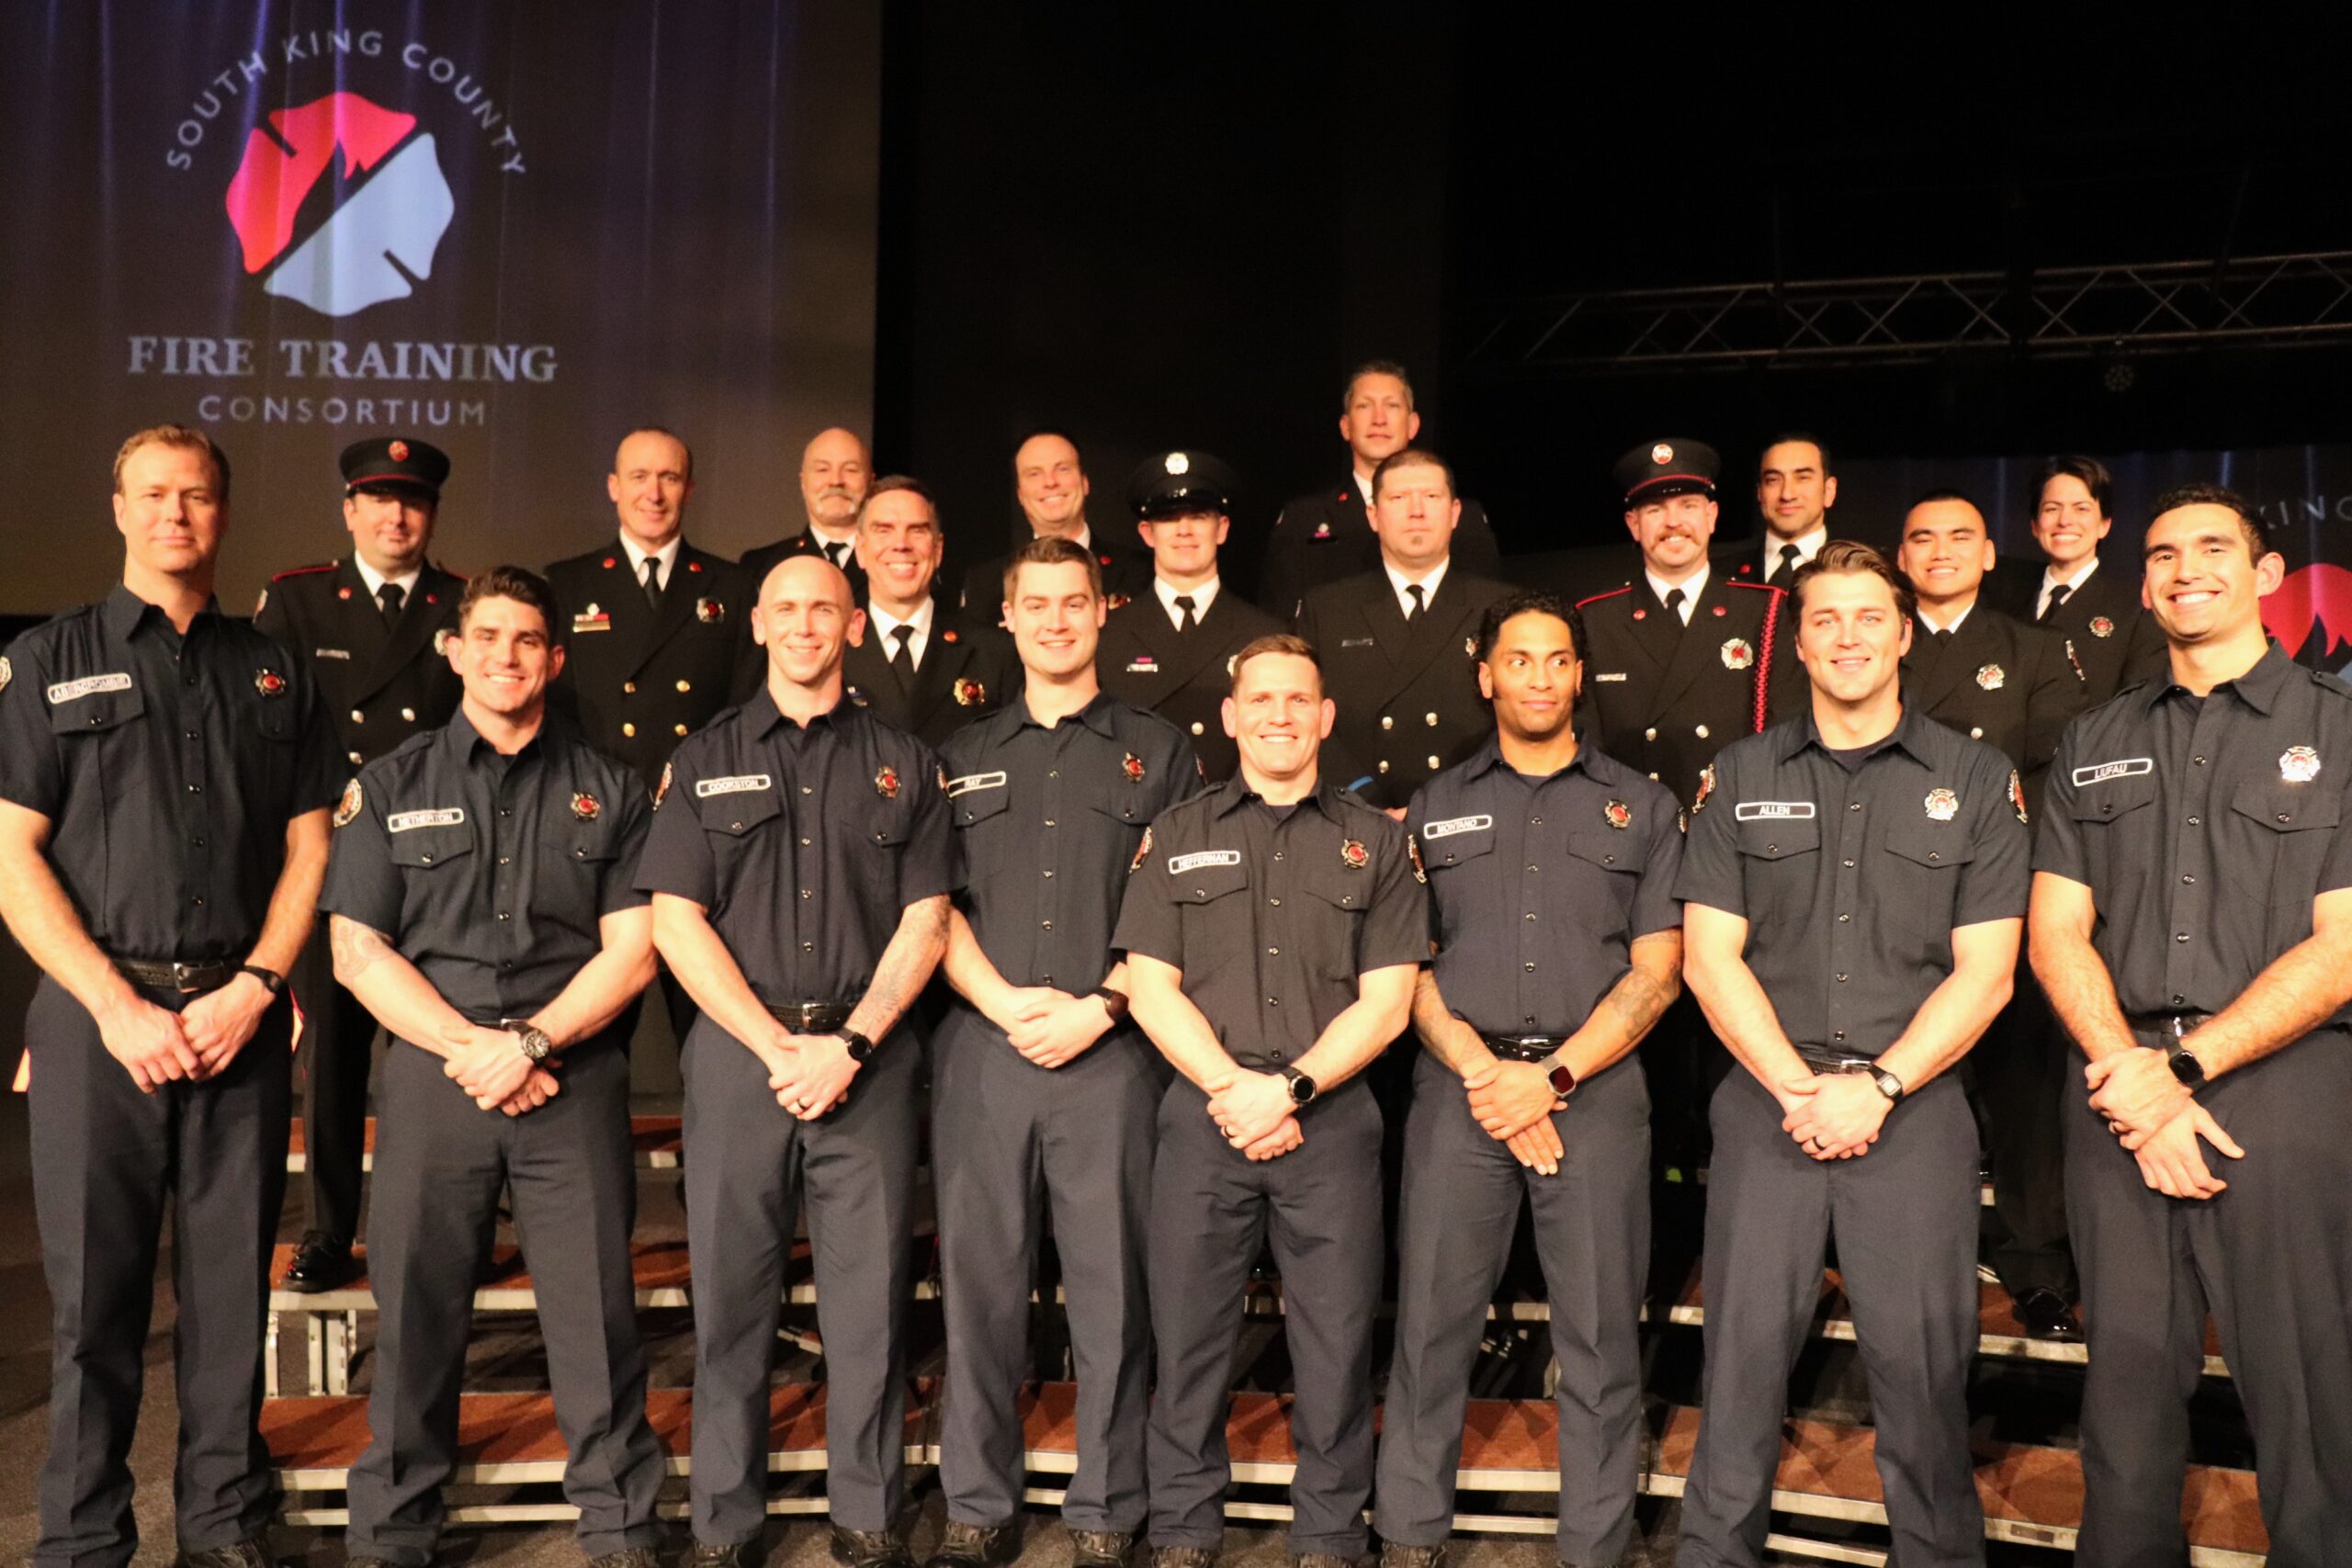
x: 974, y: 781
x: 1435, y: 830
x: 1178, y: 864
x: 1610, y: 675
x: 1771, y: 811
x: 442, y: 816
x: 735, y: 783
x: 330, y: 653
x: 2125, y: 768
x: 89, y: 685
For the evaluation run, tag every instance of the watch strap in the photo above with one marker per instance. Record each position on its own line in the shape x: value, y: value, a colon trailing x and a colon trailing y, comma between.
x: 1889, y: 1084
x: 860, y: 1047
x: 1562, y: 1077
x: 1114, y: 1002
x: 272, y: 981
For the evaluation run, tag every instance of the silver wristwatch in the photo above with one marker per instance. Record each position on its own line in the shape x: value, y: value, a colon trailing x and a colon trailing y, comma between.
x: 536, y: 1042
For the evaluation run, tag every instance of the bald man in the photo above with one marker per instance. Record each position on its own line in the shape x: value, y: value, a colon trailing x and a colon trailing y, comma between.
x: 835, y: 469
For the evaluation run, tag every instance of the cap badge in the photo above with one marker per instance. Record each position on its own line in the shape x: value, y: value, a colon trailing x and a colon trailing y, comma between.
x: 709, y: 612
x: 1618, y: 815
x: 585, y: 805
x: 1737, y: 655
x: 1133, y: 768
x: 1991, y: 678
x: 269, y: 682
x: 347, y: 809
x: 2300, y: 764
x: 399, y: 450
x: 970, y: 694
x: 1942, y: 805
x: 1661, y: 454
x: 1177, y: 463
x: 885, y: 783
x: 2102, y: 626
x: 1353, y: 855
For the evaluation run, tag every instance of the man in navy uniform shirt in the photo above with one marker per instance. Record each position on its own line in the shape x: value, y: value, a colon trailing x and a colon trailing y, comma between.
x: 480, y: 906
x: 165, y: 776
x: 800, y: 866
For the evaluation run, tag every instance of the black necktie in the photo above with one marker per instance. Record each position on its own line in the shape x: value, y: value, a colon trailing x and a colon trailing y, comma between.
x: 1788, y: 564
x: 1184, y: 603
x: 2057, y: 597
x: 653, y: 581
x: 1942, y: 639
x: 1420, y: 604
x: 902, y: 663
x: 390, y: 596
x: 1674, y: 607
x: 837, y: 553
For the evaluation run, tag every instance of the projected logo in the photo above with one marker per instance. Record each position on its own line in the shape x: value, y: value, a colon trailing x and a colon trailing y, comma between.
x: 340, y: 204
x: 2312, y: 613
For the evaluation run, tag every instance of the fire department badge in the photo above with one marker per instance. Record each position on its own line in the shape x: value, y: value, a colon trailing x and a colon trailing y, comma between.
x: 1470, y: 646
x: 1618, y: 815
x: 399, y: 451
x: 1706, y: 788
x: 970, y: 694
x: 1661, y: 452
x: 1942, y: 805
x: 947, y: 634
x: 585, y: 805
x: 2016, y: 795
x: 709, y: 612
x: 885, y: 783
x: 661, y: 787
x: 2300, y: 764
x: 2102, y: 626
x: 1353, y: 855
x: 441, y: 641
x: 347, y: 809
x: 269, y: 682
x: 1413, y: 849
x: 1177, y: 463
x: 1737, y: 655
x: 1991, y: 678
x: 1143, y: 853
x: 1133, y: 768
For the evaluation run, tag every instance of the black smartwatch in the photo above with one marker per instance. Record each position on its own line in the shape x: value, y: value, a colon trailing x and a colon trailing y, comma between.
x: 271, y: 980
x: 860, y: 1047
x: 1888, y: 1084
x: 1114, y: 1003
x: 1302, y: 1088
x: 2185, y: 1065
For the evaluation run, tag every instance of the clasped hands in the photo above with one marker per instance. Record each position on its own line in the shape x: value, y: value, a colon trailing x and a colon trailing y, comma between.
x: 2154, y: 1115
x: 1833, y: 1115
x: 488, y: 1062
x: 1255, y: 1112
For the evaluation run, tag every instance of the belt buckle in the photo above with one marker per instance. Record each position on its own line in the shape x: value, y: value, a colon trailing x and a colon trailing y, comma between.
x: 180, y: 977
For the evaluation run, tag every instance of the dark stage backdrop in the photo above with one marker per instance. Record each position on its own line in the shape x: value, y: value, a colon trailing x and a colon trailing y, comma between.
x: 514, y: 227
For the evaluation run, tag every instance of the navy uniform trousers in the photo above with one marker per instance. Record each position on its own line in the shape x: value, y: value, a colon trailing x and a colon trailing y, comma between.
x: 1010, y: 1138
x: 2272, y: 1258
x: 107, y: 1162
x: 1211, y: 1210
x: 749, y: 1164
x: 337, y: 1051
x: 441, y: 1165
x: 1592, y: 1234
x: 1904, y: 1216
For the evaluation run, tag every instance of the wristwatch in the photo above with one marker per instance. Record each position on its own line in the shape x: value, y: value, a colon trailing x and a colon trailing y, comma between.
x: 1888, y: 1084
x: 1114, y: 1003
x: 2185, y: 1065
x: 1302, y: 1088
x: 1563, y: 1081
x: 860, y: 1047
x: 536, y: 1042
x: 271, y: 980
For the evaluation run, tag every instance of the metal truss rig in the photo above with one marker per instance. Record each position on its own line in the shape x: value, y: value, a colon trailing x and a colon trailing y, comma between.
x: 2162, y: 307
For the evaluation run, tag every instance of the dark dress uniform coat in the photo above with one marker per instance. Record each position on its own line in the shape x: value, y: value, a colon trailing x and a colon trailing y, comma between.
x: 1127, y: 576
x: 379, y: 685
x: 640, y: 678
x: 1408, y: 692
x: 1999, y: 681
x: 2117, y: 643
x: 966, y: 671
x: 1327, y: 537
x: 759, y: 562
x: 1182, y: 677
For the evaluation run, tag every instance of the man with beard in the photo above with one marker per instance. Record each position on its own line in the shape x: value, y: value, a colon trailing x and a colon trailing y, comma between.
x: 835, y: 469
x: 917, y: 667
x: 1050, y: 485
x: 1795, y: 488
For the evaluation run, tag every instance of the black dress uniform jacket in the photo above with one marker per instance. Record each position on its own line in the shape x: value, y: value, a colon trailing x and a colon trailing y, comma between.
x: 1408, y: 692
x: 1327, y: 537
x: 966, y: 671
x: 379, y: 685
x: 639, y: 679
x: 1998, y: 681
x: 1664, y: 698
x: 757, y: 563
x: 1127, y: 576
x: 805, y: 844
x: 1272, y: 921
x: 2117, y: 643
x: 1185, y: 678
x: 169, y: 767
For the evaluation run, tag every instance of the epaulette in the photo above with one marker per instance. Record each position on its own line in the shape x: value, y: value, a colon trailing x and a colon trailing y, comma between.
x: 1760, y: 587
x: 1599, y: 597
x: 306, y: 570
x: 2332, y: 681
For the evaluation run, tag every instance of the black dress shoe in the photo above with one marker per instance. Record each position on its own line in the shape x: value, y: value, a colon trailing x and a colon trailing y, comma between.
x: 742, y: 1554
x: 630, y: 1557
x: 2047, y: 1316
x: 1101, y: 1549
x: 1182, y: 1557
x: 320, y: 1263
x: 869, y: 1549
x: 251, y: 1553
x: 1393, y: 1555
x: 975, y: 1546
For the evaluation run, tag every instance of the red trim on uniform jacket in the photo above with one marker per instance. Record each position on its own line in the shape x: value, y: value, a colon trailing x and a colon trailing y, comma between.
x: 1599, y: 597
x: 1763, y: 654
x: 306, y: 570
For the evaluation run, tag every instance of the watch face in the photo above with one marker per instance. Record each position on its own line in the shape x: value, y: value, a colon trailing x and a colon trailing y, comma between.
x: 1301, y: 1088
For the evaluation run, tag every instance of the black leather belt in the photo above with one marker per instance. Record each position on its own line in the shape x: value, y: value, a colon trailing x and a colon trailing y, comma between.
x: 811, y: 1018
x: 188, y: 980
x: 2170, y: 1025
x: 1822, y: 1061
x: 1524, y: 1048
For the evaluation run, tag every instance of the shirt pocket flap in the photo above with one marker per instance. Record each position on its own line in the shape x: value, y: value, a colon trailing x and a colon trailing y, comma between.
x: 1778, y: 838
x: 2285, y: 807
x: 738, y: 812
x: 432, y: 846
x: 976, y: 797
x: 1932, y: 844
x: 2107, y: 799
x: 1456, y: 840
x: 95, y: 711
x: 1124, y: 808
x: 1610, y: 848
x: 1205, y: 883
x: 1351, y: 893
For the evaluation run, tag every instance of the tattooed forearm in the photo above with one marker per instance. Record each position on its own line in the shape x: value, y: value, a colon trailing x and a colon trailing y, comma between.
x: 905, y: 967
x: 1636, y: 1001
x: 1446, y: 1037
x: 355, y: 947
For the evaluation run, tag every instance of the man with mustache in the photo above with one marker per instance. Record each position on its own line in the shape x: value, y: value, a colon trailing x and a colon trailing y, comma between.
x: 835, y: 470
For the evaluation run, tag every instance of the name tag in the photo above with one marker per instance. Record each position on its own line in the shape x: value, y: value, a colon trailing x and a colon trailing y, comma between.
x: 974, y: 781
x: 441, y: 817
x: 592, y: 623
x: 87, y: 686
x: 1178, y: 864
x: 1355, y: 642
x: 1610, y: 675
x: 330, y: 653
x: 2124, y: 768
x: 1771, y: 810
x: 734, y: 783
x: 1144, y: 666
x: 1433, y: 831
